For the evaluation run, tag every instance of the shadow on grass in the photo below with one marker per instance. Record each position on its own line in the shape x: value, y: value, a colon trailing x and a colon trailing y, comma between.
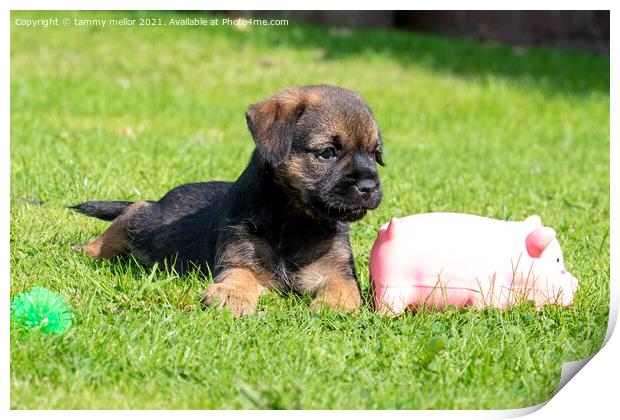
x: 551, y: 70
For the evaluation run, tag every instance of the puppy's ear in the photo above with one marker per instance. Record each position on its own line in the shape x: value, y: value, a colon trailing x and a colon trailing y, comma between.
x: 272, y: 123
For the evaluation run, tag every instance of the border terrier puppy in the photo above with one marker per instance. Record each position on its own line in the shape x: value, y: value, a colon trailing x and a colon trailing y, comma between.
x: 283, y: 223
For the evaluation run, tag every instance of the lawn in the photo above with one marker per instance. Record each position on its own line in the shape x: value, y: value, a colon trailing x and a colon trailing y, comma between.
x: 128, y: 113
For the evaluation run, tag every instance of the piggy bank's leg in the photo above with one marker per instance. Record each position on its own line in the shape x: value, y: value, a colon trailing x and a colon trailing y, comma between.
x: 561, y: 296
x: 565, y: 290
x: 393, y: 300
x: 569, y: 291
x: 541, y: 299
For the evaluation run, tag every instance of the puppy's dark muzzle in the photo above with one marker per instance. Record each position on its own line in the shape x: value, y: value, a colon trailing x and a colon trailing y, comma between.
x: 366, y: 181
x: 371, y: 197
x: 367, y: 188
x: 352, y: 202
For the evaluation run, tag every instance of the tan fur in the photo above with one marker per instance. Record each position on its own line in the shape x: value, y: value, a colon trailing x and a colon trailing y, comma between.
x: 338, y: 294
x: 355, y: 131
x: 329, y: 277
x: 334, y: 264
x: 316, y: 274
x: 365, y: 133
x: 294, y: 175
x: 236, y: 289
x: 244, y: 254
x: 113, y: 240
x: 269, y: 118
x: 281, y: 106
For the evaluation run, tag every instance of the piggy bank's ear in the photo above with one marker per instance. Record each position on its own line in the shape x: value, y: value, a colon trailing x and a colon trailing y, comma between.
x: 392, y: 228
x: 538, y: 240
x: 534, y: 221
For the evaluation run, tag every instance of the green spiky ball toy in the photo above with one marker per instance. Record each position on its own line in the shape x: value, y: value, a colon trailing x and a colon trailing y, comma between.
x: 43, y: 309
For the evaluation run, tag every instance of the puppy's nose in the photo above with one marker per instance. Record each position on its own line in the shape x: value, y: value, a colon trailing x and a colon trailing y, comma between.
x: 366, y: 186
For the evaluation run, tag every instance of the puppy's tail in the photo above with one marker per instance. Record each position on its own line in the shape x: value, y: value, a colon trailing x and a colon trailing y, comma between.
x: 104, y: 210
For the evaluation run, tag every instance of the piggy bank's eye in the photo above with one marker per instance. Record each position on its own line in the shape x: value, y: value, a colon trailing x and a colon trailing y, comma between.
x: 558, y: 260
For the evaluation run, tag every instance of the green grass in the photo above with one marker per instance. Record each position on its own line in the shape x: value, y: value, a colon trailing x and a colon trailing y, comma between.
x: 129, y: 113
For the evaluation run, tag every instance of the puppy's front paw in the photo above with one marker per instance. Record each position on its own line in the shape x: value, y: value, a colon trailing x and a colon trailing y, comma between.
x: 92, y: 250
x: 231, y: 296
x: 341, y: 296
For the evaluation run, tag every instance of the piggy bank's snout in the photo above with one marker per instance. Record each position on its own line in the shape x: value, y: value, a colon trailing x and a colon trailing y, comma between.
x: 569, y: 289
x: 570, y: 282
x: 574, y: 284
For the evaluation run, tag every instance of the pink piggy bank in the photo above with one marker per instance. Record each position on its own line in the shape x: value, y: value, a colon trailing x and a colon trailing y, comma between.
x: 440, y: 259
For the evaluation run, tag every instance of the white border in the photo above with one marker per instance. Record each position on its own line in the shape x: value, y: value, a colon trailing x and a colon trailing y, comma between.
x: 593, y: 392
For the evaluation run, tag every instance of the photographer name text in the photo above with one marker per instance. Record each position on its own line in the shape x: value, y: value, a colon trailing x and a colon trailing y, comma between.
x: 129, y: 22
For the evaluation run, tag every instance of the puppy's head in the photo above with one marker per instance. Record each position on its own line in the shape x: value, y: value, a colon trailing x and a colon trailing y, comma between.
x: 324, y: 146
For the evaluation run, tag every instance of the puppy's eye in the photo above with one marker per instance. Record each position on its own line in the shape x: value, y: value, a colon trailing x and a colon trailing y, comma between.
x: 557, y: 260
x: 328, y: 153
